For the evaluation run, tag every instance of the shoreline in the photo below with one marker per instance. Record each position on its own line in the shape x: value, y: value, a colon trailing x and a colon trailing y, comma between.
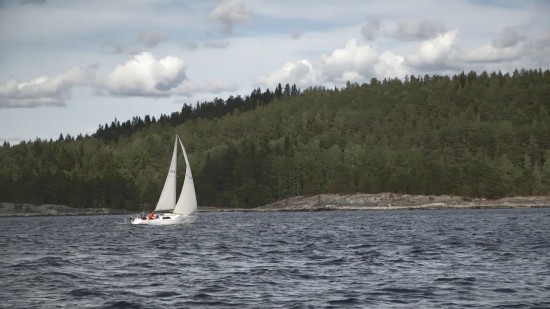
x: 51, y: 210
x: 322, y: 202
x: 397, y: 208
x: 392, y: 201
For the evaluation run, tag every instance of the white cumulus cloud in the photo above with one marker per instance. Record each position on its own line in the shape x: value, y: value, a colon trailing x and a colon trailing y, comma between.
x: 146, y: 76
x: 436, y: 53
x: 352, y: 63
x: 492, y: 53
x: 44, y: 91
x: 390, y: 65
x: 300, y: 73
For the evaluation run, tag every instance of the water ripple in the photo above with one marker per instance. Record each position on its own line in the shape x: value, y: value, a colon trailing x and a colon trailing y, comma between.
x: 424, y: 259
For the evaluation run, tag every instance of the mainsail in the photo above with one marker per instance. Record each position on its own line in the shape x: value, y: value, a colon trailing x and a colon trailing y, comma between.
x: 167, y: 199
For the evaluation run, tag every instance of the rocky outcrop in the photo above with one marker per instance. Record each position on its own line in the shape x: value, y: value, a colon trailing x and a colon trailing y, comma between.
x: 12, y: 210
x: 322, y: 202
x: 387, y: 201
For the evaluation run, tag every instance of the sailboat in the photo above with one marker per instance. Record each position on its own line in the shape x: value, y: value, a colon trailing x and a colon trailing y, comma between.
x: 168, y: 211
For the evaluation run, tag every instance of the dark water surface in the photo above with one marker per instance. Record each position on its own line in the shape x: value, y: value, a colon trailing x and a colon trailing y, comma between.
x: 394, y: 259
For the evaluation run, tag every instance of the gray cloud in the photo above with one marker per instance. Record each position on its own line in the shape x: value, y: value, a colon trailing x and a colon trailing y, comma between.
x: 512, y: 44
x: 417, y: 30
x: 118, y: 48
x: 152, y: 39
x: 229, y: 13
x: 216, y: 44
x: 171, y: 82
x: 30, y: 2
x: 369, y: 30
x: 541, y: 47
x: 146, y: 40
x: 193, y: 45
x: 297, y: 34
x: 511, y: 36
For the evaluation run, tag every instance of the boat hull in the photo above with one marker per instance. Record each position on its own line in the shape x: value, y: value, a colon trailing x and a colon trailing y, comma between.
x: 166, y: 219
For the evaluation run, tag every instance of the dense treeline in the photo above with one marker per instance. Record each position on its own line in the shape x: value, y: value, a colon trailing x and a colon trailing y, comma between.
x: 479, y: 135
x: 205, y: 110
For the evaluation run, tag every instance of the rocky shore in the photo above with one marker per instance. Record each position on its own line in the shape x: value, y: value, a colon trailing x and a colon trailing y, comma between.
x: 26, y: 210
x: 392, y: 201
x: 322, y: 202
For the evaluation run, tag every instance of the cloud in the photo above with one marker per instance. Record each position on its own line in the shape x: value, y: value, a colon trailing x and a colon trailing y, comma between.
x: 193, y: 45
x: 511, y: 36
x: 152, y: 39
x: 39, y: 2
x: 216, y: 85
x: 359, y: 63
x: 541, y: 47
x: 390, y: 65
x: 369, y: 30
x: 417, y: 30
x: 297, y: 34
x: 146, y: 40
x: 436, y: 53
x: 215, y: 44
x: 229, y: 13
x: 143, y: 75
x: 511, y: 45
x: 352, y: 63
x: 146, y: 76
x: 300, y: 73
x: 11, y: 139
x: 44, y: 91
x: 492, y: 53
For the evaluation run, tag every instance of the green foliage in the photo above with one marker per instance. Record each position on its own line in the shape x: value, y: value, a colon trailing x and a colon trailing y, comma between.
x: 478, y: 135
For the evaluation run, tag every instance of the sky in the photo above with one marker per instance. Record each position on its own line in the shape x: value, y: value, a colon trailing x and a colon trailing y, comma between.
x: 67, y: 66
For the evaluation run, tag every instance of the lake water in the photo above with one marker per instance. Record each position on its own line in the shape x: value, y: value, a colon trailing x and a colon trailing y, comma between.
x: 371, y: 259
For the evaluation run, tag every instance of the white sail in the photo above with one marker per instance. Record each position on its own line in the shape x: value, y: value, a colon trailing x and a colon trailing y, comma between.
x: 185, y: 210
x: 167, y: 199
x: 187, y: 202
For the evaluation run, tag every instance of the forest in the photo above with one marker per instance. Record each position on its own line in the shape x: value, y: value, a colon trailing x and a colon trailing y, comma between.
x: 470, y: 134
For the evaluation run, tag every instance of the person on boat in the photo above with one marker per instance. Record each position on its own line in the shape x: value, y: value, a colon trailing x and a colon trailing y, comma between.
x: 151, y: 216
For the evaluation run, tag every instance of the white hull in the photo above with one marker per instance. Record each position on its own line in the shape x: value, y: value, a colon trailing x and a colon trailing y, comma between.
x: 167, y: 219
